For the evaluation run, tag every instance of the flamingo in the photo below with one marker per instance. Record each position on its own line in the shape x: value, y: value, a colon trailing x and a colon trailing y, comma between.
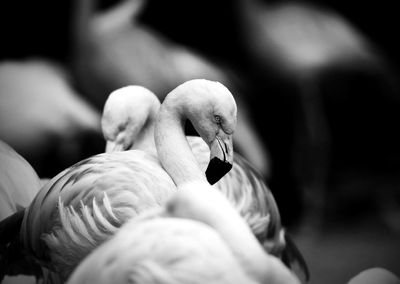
x: 204, y: 241
x: 122, y: 185
x: 129, y: 115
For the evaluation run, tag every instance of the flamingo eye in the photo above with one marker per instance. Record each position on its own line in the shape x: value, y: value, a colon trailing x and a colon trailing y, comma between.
x: 217, y: 119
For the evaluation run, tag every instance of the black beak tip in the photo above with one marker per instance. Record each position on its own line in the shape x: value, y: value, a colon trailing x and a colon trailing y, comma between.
x: 216, y: 170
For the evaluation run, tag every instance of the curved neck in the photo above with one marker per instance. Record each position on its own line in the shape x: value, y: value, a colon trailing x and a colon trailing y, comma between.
x: 172, y: 146
x: 145, y: 136
x: 145, y: 140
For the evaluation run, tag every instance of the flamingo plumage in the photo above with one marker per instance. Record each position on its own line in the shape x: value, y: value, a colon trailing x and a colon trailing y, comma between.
x: 205, y: 240
x: 134, y: 108
x: 125, y: 184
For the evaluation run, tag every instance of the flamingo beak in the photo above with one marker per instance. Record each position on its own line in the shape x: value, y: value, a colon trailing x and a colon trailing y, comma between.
x: 221, y: 158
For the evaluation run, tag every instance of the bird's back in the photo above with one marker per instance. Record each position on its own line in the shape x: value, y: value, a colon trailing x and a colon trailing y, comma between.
x: 85, y: 204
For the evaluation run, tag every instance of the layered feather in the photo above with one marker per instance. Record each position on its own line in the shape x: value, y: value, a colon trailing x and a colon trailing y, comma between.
x: 85, y: 204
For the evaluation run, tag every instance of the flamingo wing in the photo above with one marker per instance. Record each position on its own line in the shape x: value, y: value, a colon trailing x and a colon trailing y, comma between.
x: 85, y: 204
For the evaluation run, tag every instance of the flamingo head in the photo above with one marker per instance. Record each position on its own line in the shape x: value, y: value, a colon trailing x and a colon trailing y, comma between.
x: 126, y: 112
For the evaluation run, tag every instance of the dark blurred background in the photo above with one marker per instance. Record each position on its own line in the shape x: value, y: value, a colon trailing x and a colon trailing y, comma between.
x: 329, y: 126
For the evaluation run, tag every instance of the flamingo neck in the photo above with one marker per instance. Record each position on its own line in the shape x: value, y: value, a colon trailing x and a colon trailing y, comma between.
x: 145, y: 140
x: 173, y: 148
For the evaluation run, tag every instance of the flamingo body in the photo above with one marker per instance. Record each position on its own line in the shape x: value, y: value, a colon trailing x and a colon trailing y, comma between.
x: 107, y: 189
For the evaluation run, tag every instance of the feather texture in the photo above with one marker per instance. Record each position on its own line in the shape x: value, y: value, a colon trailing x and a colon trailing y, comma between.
x: 85, y: 204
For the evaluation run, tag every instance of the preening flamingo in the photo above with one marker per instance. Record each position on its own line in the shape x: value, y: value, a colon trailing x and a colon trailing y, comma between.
x: 128, y: 119
x: 122, y: 185
x: 204, y: 240
x: 129, y: 114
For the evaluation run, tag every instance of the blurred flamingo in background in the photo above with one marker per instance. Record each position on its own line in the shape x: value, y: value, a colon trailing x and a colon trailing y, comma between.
x: 302, y: 43
x: 19, y: 184
x: 43, y: 118
x: 375, y: 275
